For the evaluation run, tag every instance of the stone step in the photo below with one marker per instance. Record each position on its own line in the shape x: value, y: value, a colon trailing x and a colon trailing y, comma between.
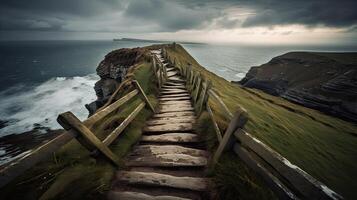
x: 174, y: 98
x: 167, y: 120
x: 174, y: 87
x: 176, y: 79
x: 154, y: 150
x: 175, y: 109
x: 125, y: 195
x: 173, y: 90
x: 163, y: 180
x: 167, y: 160
x: 179, y: 102
x: 171, y: 83
x: 175, y: 114
x: 171, y: 137
x: 166, y: 128
x: 165, y: 95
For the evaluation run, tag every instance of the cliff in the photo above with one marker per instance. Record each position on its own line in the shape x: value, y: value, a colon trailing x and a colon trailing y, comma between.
x: 112, y: 71
x: 323, y: 81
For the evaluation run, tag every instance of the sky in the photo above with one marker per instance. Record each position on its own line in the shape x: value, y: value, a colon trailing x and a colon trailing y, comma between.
x: 222, y: 21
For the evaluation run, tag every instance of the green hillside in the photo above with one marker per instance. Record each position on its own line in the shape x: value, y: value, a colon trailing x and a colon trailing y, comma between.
x: 323, y: 146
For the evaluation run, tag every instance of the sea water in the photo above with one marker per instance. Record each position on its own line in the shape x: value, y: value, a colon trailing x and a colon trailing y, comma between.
x: 40, y: 79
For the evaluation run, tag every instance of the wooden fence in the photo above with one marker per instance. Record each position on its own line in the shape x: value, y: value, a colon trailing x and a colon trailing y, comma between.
x: 82, y: 131
x: 286, y: 180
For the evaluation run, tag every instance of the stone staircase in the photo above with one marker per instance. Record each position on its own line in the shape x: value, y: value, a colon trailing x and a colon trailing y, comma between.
x: 170, y: 161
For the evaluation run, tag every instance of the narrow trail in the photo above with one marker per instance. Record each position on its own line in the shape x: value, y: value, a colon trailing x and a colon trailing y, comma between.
x: 169, y: 162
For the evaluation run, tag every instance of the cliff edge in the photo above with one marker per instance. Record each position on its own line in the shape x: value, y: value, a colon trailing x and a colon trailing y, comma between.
x: 112, y: 71
x: 323, y: 81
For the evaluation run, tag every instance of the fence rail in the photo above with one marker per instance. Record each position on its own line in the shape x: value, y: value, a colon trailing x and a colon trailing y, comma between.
x: 286, y: 180
x: 80, y: 131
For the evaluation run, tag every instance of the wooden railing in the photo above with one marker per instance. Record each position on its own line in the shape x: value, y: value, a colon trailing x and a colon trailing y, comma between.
x: 287, y: 180
x: 82, y: 131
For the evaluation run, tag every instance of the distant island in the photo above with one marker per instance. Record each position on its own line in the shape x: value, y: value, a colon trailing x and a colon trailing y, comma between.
x: 154, y: 41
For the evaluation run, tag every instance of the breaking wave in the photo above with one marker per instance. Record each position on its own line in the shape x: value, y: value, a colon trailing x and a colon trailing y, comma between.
x: 23, y: 108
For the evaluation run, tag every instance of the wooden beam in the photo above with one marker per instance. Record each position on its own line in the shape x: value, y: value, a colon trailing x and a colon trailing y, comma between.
x: 116, y: 132
x: 279, y: 188
x: 114, y: 95
x: 238, y: 121
x: 223, y: 106
x: 109, y: 109
x: 137, y: 85
x: 302, y: 182
x: 216, y: 128
x: 198, y: 88
x: 69, y: 121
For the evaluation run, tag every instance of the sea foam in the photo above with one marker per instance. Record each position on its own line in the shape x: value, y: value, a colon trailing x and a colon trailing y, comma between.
x: 40, y: 105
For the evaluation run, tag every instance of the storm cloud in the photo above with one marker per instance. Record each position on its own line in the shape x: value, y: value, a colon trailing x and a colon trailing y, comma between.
x: 171, y: 16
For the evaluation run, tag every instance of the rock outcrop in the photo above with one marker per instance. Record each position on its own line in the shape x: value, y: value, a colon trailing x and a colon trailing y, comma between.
x: 112, y: 71
x: 323, y: 81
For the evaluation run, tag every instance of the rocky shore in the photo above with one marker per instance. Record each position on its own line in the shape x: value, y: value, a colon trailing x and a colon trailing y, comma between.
x: 322, y: 81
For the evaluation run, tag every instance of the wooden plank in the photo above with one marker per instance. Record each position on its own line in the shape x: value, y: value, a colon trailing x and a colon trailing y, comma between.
x: 69, y: 121
x: 303, y: 182
x: 198, y: 88
x: 203, y: 95
x: 167, y: 160
x: 109, y: 109
x: 223, y: 106
x: 177, y: 114
x: 216, y: 128
x: 169, y: 128
x: 116, y: 132
x: 238, y: 121
x: 164, y: 180
x: 137, y: 85
x: 151, y: 150
x: 113, y: 195
x: 279, y: 188
x: 171, y: 137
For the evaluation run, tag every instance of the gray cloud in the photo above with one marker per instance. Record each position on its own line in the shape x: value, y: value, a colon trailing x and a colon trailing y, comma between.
x: 169, y: 16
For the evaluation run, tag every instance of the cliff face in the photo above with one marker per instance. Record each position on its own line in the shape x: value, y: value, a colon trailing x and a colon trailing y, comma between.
x: 112, y: 71
x: 323, y: 81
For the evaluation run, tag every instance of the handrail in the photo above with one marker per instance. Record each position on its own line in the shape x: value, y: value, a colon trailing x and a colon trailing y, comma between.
x: 286, y: 179
x: 79, y: 130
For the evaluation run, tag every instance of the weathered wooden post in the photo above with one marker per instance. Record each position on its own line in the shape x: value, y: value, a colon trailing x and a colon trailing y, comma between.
x: 69, y: 121
x: 238, y: 121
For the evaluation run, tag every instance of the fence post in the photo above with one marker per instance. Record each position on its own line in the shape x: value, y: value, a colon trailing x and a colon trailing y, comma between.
x: 69, y: 121
x: 137, y: 85
x: 238, y: 121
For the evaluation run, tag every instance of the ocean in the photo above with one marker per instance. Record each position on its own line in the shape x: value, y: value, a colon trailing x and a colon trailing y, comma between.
x: 40, y: 79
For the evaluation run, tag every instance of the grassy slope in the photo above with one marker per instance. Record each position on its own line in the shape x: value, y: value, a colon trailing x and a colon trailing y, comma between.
x: 72, y: 173
x: 324, y: 146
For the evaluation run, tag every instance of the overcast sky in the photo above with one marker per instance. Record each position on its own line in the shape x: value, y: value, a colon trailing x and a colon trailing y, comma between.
x: 241, y: 21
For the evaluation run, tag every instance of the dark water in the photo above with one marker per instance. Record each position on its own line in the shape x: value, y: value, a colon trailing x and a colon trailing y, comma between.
x: 40, y: 79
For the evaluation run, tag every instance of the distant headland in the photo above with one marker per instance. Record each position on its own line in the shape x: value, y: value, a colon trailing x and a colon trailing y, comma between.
x: 154, y: 41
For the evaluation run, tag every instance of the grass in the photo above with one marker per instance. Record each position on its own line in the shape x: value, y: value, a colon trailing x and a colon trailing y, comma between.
x: 72, y: 173
x: 323, y: 146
